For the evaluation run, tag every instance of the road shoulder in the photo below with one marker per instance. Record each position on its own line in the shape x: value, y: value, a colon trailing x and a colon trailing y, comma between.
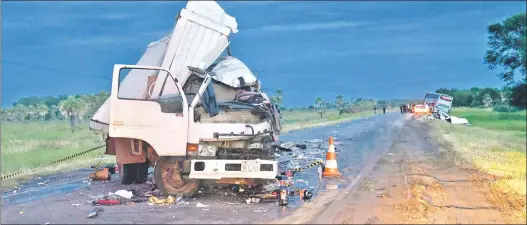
x: 416, y: 182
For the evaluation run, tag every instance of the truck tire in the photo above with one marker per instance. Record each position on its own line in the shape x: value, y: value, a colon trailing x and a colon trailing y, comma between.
x: 170, y: 180
x: 133, y: 173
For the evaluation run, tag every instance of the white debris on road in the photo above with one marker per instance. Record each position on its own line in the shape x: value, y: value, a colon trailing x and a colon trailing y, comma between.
x: 201, y: 205
x: 124, y: 193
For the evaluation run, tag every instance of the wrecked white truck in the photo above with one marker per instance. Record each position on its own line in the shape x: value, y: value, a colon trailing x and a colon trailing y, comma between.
x: 189, y: 112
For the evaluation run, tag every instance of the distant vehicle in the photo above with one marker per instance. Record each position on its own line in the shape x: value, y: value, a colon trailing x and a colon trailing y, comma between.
x: 438, y: 102
x: 421, y: 109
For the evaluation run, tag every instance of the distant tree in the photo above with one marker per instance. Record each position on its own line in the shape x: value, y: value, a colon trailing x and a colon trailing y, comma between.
x: 487, y: 100
x: 319, y: 104
x: 54, y: 112
x: 68, y: 107
x: 29, y: 101
x: 32, y: 112
x: 340, y: 103
x: 42, y: 111
x: 505, y: 94
x: 81, y: 108
x: 20, y: 112
x: 493, y: 96
x: 519, y: 96
x: 507, y: 46
x: 279, y: 97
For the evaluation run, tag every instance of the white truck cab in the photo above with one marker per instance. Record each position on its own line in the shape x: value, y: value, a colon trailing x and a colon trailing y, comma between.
x: 189, y: 112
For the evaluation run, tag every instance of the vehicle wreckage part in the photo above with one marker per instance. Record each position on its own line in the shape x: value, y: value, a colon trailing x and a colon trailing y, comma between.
x: 170, y: 180
x: 218, y: 169
x: 199, y: 36
x: 101, y: 174
x: 192, y: 149
x: 232, y: 134
x: 238, y: 181
x: 208, y: 150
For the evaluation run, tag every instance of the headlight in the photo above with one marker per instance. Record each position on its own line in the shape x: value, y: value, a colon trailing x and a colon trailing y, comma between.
x: 207, y: 150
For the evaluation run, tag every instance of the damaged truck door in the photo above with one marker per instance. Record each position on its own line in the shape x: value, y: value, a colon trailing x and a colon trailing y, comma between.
x: 135, y: 115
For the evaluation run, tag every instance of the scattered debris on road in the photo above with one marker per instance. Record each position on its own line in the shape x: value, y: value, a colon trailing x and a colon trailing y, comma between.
x: 167, y: 201
x: 201, y: 205
x: 102, y: 174
x: 124, y: 194
x: 95, y: 212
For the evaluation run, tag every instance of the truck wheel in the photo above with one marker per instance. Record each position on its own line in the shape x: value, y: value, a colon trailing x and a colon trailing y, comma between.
x: 170, y: 181
x: 133, y: 173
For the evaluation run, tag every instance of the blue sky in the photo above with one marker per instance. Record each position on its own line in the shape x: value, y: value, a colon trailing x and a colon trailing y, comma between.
x: 308, y: 49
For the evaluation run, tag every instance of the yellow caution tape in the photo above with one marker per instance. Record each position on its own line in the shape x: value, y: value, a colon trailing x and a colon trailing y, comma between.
x: 308, y: 166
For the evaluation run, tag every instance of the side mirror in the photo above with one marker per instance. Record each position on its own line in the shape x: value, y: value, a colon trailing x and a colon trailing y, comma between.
x: 209, y: 100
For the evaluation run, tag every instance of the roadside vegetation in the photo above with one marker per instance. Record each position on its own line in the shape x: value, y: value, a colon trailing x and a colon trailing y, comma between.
x: 495, y: 143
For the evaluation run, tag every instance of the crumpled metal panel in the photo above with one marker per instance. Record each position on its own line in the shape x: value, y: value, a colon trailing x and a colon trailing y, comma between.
x: 229, y: 69
x: 199, y: 37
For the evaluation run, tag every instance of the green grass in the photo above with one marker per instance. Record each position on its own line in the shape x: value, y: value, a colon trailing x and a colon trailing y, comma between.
x: 494, y: 144
x: 488, y: 119
x: 30, y: 145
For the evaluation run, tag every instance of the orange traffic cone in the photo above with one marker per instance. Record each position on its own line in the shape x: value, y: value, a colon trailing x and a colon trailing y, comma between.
x: 331, y: 169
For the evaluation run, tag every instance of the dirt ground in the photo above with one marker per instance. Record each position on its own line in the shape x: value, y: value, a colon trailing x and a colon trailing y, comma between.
x: 417, y: 181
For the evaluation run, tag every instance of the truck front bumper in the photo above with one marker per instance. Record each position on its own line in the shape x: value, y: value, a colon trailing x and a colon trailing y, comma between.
x: 218, y: 169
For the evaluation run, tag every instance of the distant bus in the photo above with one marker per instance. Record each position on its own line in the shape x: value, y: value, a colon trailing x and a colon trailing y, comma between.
x: 438, y: 102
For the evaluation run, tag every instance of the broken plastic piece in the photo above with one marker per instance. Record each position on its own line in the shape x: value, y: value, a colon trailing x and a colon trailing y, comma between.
x: 301, y: 146
x: 103, y: 174
x: 106, y: 202
x: 124, y: 193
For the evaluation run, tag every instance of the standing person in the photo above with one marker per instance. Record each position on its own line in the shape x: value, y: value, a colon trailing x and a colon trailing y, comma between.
x: 383, y: 109
x: 401, y: 108
x: 375, y: 109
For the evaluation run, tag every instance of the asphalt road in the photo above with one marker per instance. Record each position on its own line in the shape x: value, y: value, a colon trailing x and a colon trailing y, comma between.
x: 67, y: 198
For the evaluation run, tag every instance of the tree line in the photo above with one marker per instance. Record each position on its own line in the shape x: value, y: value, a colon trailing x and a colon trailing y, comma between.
x: 73, y: 107
x: 342, y: 105
x: 508, y: 96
